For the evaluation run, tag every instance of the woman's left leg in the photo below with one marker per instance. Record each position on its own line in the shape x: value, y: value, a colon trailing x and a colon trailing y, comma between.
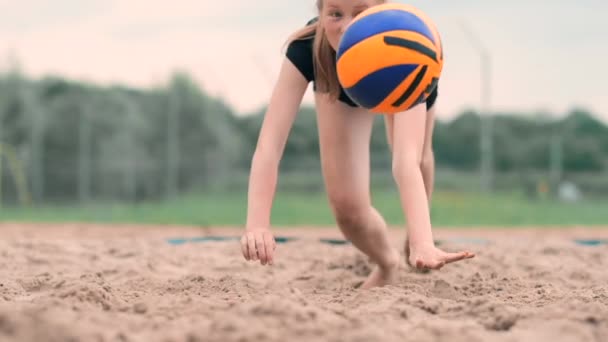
x: 344, y: 136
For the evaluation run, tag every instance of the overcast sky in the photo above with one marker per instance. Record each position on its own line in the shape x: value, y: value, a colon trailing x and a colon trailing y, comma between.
x: 548, y: 55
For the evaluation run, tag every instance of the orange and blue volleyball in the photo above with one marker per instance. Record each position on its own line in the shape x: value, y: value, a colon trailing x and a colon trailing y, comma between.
x: 390, y: 58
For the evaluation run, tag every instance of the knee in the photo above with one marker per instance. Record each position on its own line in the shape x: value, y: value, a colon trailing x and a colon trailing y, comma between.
x: 349, y: 211
x: 428, y: 159
x: 405, y: 166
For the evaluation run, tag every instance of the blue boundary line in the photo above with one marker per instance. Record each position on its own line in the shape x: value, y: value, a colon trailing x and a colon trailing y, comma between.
x: 283, y: 239
x: 339, y: 242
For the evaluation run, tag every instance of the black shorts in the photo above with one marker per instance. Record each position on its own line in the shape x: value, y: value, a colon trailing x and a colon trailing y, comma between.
x: 430, y: 100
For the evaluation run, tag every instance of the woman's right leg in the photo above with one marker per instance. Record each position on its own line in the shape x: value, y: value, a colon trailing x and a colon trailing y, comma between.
x: 344, y: 135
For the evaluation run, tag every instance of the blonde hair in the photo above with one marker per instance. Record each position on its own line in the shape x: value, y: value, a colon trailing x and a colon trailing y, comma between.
x: 324, y: 56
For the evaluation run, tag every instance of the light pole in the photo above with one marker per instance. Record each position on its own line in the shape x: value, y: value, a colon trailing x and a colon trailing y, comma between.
x: 485, y: 136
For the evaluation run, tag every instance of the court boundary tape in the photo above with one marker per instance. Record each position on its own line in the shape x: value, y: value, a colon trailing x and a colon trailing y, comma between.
x: 285, y: 239
x: 338, y: 242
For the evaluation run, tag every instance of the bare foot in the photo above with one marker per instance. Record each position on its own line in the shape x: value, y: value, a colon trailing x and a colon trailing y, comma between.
x: 431, y: 257
x: 383, y: 275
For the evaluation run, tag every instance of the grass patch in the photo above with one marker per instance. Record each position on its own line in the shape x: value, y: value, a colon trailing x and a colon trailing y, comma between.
x: 217, y: 209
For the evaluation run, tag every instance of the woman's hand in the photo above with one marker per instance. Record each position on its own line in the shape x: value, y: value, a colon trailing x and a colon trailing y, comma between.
x: 258, y: 244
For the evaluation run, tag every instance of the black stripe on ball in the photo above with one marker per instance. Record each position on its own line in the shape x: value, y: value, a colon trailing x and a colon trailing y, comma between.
x: 412, y: 45
x: 410, y: 90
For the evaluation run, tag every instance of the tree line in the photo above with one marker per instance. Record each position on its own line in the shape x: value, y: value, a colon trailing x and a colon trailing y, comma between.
x: 75, y: 141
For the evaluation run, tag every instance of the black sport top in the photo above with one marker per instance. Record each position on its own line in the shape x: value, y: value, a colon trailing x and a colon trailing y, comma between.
x: 300, y: 53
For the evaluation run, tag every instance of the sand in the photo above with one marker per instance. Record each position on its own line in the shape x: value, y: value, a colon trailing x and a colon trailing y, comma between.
x: 127, y: 283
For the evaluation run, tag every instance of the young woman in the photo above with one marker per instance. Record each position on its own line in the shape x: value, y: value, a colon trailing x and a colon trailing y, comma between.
x: 344, y: 133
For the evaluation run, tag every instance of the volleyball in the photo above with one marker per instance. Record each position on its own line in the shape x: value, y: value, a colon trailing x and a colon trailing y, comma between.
x: 389, y: 58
